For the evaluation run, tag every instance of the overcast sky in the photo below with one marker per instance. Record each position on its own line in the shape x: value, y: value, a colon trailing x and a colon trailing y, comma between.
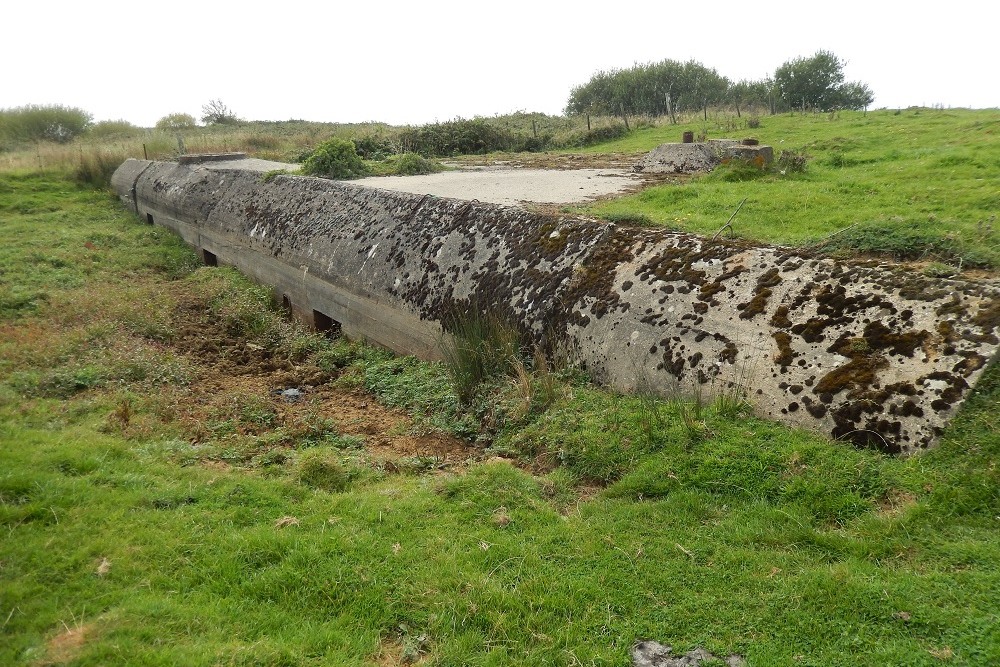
x: 416, y: 62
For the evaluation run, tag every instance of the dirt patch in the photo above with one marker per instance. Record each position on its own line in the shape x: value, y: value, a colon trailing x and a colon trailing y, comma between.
x: 395, y: 652
x: 66, y: 645
x: 897, y: 503
x: 251, y: 396
x: 550, y: 161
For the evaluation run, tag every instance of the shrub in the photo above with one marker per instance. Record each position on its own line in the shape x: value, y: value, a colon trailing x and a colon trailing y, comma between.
x: 176, y: 121
x: 456, y: 137
x: 108, y: 129
x: 411, y: 164
x: 370, y: 147
x: 215, y: 112
x: 335, y: 158
x: 43, y: 123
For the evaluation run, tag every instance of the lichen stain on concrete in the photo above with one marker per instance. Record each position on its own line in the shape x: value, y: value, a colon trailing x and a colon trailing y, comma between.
x: 873, y: 356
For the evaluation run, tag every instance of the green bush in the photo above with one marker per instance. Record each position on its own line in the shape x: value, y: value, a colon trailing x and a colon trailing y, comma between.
x: 411, y: 164
x: 371, y: 147
x: 335, y: 158
x: 458, y: 137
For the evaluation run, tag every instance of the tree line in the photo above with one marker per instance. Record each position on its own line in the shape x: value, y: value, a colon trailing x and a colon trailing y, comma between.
x: 668, y: 87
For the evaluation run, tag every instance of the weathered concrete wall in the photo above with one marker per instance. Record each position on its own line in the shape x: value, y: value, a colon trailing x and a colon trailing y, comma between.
x: 869, y: 355
x: 672, y: 158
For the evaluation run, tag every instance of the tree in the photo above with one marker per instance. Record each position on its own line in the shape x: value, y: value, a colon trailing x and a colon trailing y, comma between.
x: 855, y: 95
x: 176, y: 121
x: 217, y: 113
x: 653, y: 89
x: 817, y: 82
x: 746, y: 94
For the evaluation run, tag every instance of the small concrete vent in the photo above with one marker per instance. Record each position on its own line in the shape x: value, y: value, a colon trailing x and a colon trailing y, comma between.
x: 325, y: 324
x: 209, y: 258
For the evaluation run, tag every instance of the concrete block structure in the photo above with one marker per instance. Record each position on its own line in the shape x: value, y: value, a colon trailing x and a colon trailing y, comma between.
x: 870, y: 355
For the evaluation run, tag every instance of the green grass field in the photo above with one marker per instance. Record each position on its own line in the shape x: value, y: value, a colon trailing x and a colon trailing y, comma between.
x: 918, y: 184
x: 161, y: 506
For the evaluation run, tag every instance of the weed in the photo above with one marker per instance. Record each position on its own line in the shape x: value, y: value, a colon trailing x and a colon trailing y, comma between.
x: 733, y: 400
x: 940, y: 270
x: 791, y: 162
x: 274, y: 173
x: 692, y: 414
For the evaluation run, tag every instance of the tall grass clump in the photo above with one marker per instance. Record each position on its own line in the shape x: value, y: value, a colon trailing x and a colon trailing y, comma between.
x: 96, y: 167
x: 481, y: 347
x: 320, y: 470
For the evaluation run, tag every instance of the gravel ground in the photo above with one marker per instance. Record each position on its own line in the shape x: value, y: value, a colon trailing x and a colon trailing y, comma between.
x: 512, y: 186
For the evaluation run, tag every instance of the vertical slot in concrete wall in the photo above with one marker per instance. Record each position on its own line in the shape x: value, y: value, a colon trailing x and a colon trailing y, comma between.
x: 325, y: 324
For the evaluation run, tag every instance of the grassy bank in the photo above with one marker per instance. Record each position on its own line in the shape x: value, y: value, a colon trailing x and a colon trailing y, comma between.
x: 164, y: 505
x: 914, y: 184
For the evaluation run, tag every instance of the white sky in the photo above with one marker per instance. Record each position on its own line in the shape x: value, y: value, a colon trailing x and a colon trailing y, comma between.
x: 416, y: 62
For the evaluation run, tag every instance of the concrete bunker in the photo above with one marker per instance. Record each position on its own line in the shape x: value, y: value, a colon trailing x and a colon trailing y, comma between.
x: 871, y: 355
